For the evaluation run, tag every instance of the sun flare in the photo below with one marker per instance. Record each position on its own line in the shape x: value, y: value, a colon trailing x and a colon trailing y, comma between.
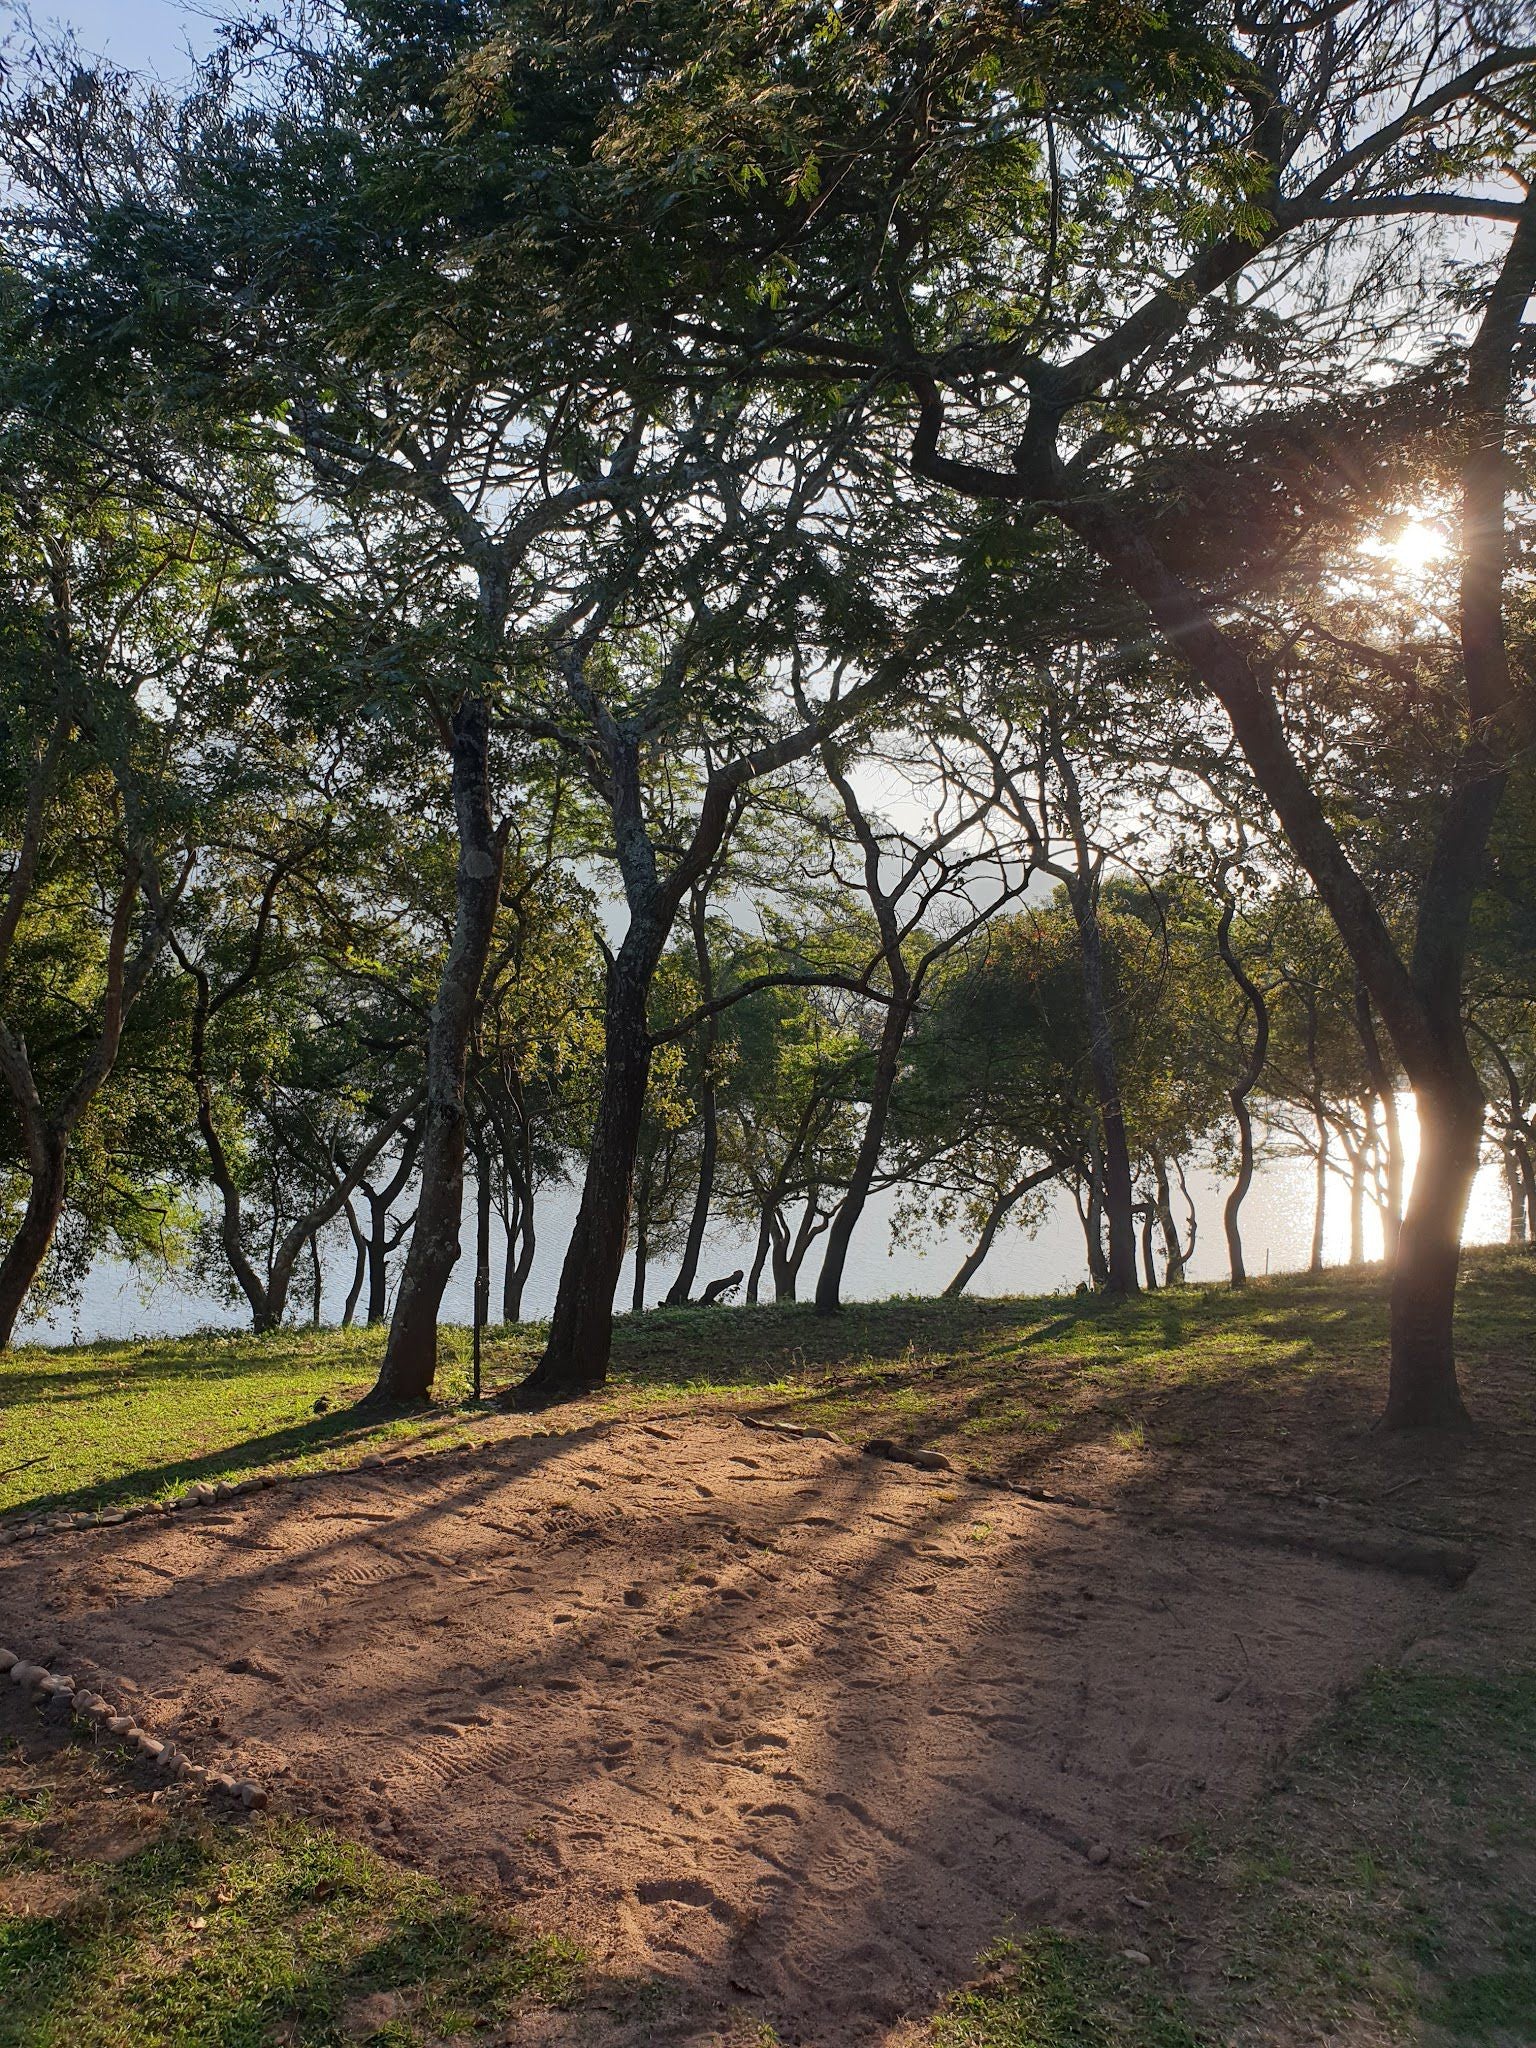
x: 1416, y: 546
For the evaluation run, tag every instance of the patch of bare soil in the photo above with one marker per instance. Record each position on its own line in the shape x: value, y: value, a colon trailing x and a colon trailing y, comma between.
x: 781, y: 1727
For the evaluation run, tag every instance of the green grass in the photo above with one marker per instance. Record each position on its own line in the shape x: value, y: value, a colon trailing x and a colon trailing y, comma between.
x: 117, y: 1422
x: 1391, y: 1878
x: 1001, y: 1381
x: 1053, y: 1990
x: 210, y: 1935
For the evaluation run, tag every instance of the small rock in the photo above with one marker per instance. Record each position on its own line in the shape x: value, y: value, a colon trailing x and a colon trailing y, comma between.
x: 1136, y: 1955
x: 149, y: 1745
x: 251, y: 1794
x: 27, y: 1675
x: 221, y: 1781
x: 370, y: 1464
x: 196, y: 1495
x: 120, y: 1724
x: 1099, y: 1853
x: 112, y: 1517
x: 930, y: 1461
x: 223, y: 1490
x: 7, y: 1659
x: 266, y: 1479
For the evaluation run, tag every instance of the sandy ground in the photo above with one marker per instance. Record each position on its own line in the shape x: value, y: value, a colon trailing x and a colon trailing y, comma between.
x: 786, y: 1731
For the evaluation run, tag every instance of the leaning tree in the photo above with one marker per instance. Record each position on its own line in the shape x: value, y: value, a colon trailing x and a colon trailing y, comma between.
x: 1171, y: 293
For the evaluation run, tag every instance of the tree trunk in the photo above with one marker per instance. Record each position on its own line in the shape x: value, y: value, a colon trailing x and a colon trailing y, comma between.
x: 1422, y: 1390
x: 642, y: 1237
x: 829, y: 1282
x: 709, y: 1150
x: 1148, y: 1257
x: 575, y: 1359
x: 785, y: 1269
x: 1356, y: 1205
x: 1241, y: 1089
x: 1386, y: 1095
x: 1173, y: 1249
x: 1091, y: 1216
x: 1320, y: 1197
x: 1514, y: 1189
x: 379, y: 1245
x: 759, y: 1257
x: 359, y: 1270
x: 410, y: 1355
x: 514, y: 1277
x: 48, y: 1153
x: 482, y: 1307
x: 1118, y: 1192
x: 1001, y: 1208
x: 1525, y: 1162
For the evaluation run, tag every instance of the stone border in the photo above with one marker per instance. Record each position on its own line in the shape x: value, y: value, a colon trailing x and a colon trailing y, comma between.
x: 201, y: 1495
x: 95, y: 1712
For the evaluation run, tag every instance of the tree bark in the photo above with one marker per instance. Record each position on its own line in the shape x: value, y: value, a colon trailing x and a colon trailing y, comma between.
x: 1240, y: 1091
x: 829, y: 1281
x: 1091, y: 1215
x: 410, y: 1354
x: 514, y: 1278
x: 575, y: 1359
x: 1148, y: 1256
x: 379, y: 1241
x: 642, y: 1237
x: 759, y: 1257
x: 1320, y: 1197
x: 1422, y: 1389
x: 27, y: 1250
x: 1118, y: 1192
x: 709, y: 1149
x: 482, y: 1295
x: 1173, y: 1249
x: 359, y: 1270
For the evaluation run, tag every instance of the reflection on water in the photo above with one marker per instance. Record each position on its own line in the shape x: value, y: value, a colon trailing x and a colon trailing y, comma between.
x: 1277, y: 1236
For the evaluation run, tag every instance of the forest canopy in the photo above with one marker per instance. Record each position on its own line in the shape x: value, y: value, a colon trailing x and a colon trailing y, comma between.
x: 757, y: 607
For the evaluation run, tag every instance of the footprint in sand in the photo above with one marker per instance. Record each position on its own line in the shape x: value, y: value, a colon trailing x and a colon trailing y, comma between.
x: 684, y: 1891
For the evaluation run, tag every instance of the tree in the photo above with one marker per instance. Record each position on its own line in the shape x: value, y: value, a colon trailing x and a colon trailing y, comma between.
x: 1278, y: 183
x: 931, y: 891
x: 118, y: 669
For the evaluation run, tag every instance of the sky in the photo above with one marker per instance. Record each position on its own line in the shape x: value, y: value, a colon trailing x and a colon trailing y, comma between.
x: 144, y: 35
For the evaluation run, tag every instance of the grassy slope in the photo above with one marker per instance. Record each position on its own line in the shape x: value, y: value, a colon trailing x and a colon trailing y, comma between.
x: 1379, y: 1894
x: 1008, y: 1383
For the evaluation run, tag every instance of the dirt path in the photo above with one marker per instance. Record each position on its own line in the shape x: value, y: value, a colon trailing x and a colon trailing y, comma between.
x: 783, y: 1728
